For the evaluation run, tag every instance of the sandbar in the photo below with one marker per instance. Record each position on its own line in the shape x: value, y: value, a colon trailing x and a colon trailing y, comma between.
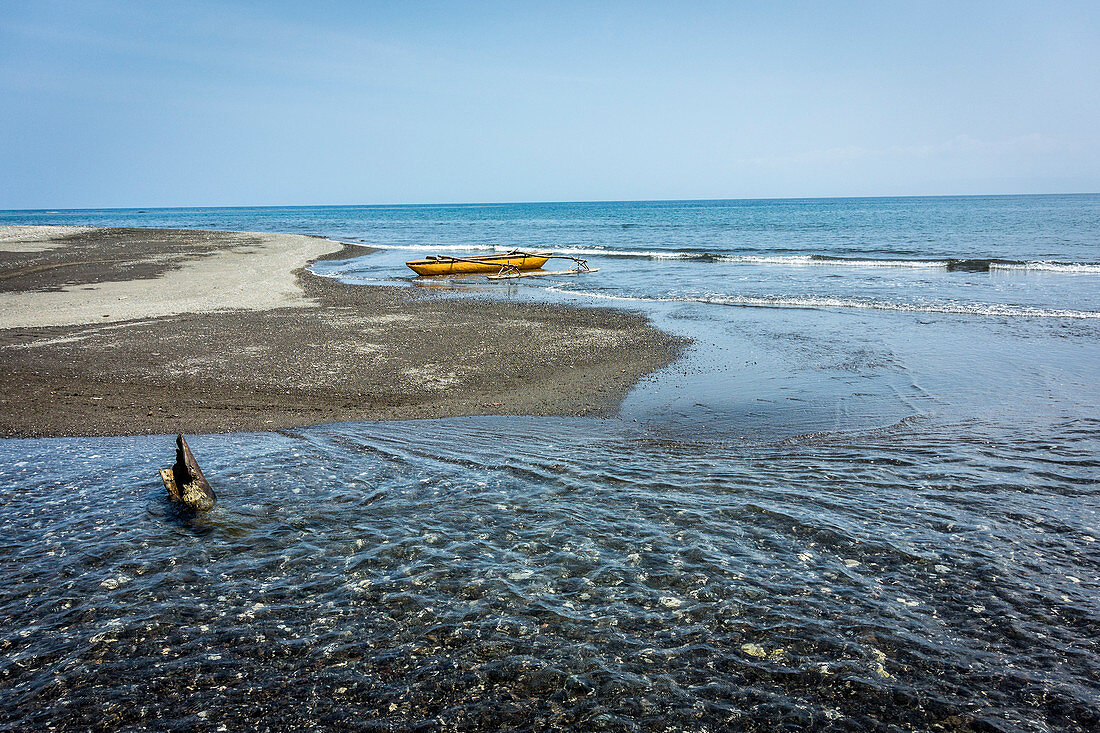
x: 153, y: 331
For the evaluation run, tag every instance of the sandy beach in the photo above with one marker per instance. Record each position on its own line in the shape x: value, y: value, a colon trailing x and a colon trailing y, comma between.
x: 139, y: 331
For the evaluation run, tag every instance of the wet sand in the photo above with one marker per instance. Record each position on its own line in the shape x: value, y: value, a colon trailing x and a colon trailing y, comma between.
x: 140, y: 331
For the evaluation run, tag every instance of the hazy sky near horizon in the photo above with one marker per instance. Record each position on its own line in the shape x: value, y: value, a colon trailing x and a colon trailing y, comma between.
x: 113, y: 104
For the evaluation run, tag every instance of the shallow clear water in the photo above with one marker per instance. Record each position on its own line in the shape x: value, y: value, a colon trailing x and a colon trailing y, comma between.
x: 867, y: 497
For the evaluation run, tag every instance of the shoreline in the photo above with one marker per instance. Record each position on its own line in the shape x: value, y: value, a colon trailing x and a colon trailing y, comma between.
x: 213, y: 332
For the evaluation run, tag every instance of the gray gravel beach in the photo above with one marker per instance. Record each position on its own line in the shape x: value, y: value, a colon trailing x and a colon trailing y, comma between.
x: 137, y: 331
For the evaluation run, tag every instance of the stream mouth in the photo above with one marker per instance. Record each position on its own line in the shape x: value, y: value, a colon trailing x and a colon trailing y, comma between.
x: 552, y: 572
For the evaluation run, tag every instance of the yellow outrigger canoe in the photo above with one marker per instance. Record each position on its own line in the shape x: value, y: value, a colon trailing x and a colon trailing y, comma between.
x: 498, y: 264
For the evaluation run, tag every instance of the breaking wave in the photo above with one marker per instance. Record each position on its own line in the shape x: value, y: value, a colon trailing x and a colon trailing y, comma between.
x: 1091, y: 268
x: 950, y: 265
x: 977, y: 264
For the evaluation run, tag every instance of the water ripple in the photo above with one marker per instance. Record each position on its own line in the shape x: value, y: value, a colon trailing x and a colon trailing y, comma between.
x: 391, y: 575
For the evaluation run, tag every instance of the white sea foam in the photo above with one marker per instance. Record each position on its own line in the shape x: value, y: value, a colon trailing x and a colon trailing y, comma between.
x: 784, y: 260
x: 961, y: 309
x: 1082, y: 268
x: 645, y: 254
x: 778, y: 260
x: 820, y: 261
x: 804, y: 260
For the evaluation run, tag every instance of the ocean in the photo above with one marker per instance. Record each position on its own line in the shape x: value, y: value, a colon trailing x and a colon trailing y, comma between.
x: 866, y: 497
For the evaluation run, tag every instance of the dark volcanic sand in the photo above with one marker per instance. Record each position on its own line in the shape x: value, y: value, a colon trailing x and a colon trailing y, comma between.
x: 358, y: 353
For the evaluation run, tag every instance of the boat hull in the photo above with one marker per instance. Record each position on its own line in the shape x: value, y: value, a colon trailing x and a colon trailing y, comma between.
x: 481, y: 264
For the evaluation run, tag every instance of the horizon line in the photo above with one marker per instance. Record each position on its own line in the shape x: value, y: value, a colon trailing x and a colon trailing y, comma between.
x: 560, y: 201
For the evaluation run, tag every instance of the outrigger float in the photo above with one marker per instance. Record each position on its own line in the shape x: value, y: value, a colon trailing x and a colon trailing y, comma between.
x: 497, y: 266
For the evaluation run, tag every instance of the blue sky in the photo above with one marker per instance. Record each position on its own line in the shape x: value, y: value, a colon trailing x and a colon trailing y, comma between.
x: 191, y: 103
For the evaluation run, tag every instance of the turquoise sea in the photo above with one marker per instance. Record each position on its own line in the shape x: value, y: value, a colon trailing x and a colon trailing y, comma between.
x: 866, y: 497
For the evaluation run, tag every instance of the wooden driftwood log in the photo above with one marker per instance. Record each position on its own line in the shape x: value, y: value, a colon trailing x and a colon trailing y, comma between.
x: 185, y: 483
